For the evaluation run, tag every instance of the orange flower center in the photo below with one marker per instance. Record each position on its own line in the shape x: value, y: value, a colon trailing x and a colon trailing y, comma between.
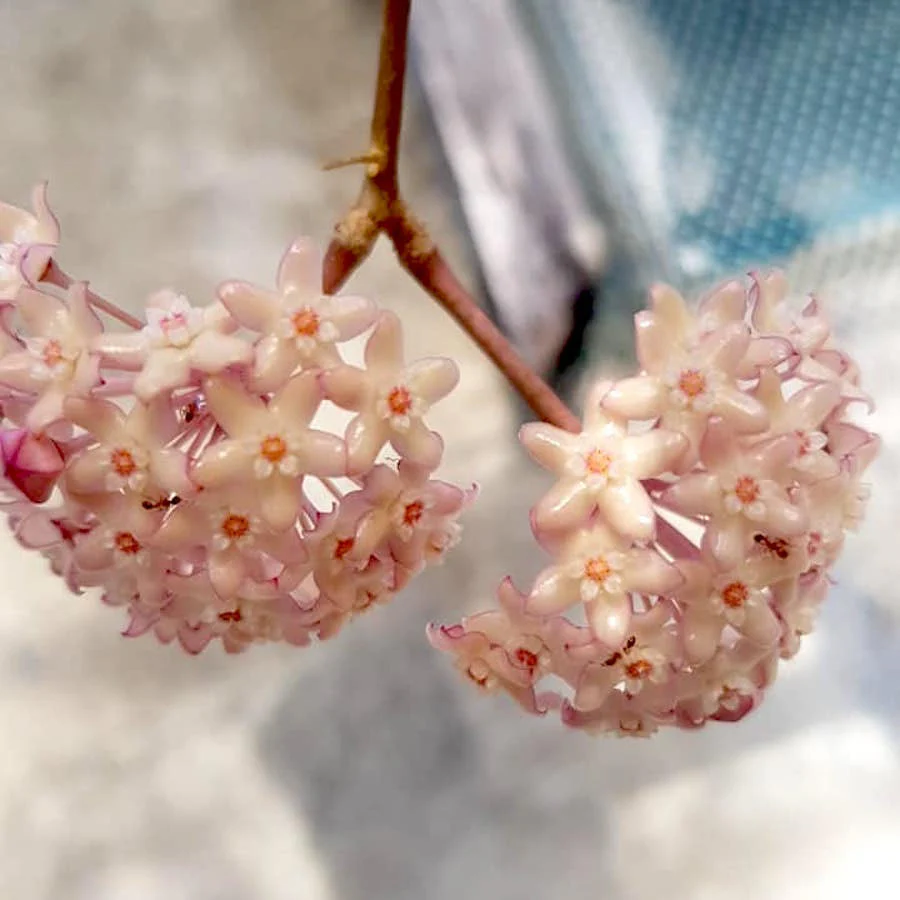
x: 122, y: 462
x: 235, y: 527
x: 746, y: 489
x: 640, y: 669
x: 598, y: 462
x: 52, y: 353
x: 734, y: 595
x: 597, y: 569
x: 127, y: 543
x: 233, y: 615
x: 526, y: 658
x: 305, y: 322
x: 412, y: 513
x: 343, y: 547
x: 691, y: 383
x: 273, y: 448
x: 399, y: 401
x: 479, y: 674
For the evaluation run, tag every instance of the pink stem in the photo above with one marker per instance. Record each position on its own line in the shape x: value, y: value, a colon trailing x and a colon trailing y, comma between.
x: 205, y: 431
x: 673, y: 541
x: 333, y: 489
x: 56, y: 276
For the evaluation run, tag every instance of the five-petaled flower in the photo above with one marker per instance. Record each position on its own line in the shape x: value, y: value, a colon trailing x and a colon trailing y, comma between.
x: 390, y: 399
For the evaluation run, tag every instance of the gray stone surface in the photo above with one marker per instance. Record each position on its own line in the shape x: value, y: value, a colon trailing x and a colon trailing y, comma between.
x: 182, y: 142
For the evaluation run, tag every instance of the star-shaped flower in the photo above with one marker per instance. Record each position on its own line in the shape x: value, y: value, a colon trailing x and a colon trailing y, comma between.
x: 601, y: 569
x: 646, y: 657
x: 270, y: 445
x: 398, y: 512
x: 600, y: 469
x: 299, y: 324
x: 57, y: 360
x: 390, y: 399
x: 179, y: 344
x: 743, y: 492
x: 220, y: 530
x: 132, y: 451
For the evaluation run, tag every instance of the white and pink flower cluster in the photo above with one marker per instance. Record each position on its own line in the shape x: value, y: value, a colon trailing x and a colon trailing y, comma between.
x: 692, y: 526
x: 178, y: 466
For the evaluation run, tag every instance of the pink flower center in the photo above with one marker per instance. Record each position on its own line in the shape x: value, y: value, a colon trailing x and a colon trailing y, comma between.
x: 598, y: 462
x: 273, y: 448
x: 52, y: 353
x: 639, y: 669
x: 122, y: 462
x: 233, y: 615
x: 127, y: 543
x: 691, y: 383
x: 412, y: 513
x: 234, y: 526
x: 305, y: 322
x: 342, y: 547
x: 174, y: 322
x: 746, y: 489
x: 597, y: 569
x: 526, y: 658
x: 734, y: 595
x: 399, y: 401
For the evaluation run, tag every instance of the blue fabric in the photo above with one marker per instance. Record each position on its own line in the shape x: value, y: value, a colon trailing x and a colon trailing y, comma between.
x: 785, y: 92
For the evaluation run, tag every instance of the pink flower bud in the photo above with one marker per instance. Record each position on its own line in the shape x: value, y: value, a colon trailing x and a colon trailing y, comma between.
x: 31, y: 462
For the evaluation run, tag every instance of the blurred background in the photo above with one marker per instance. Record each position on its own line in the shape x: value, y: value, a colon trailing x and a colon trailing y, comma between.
x: 565, y: 155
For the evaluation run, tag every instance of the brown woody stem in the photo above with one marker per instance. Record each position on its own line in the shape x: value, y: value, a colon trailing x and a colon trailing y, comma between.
x: 380, y: 208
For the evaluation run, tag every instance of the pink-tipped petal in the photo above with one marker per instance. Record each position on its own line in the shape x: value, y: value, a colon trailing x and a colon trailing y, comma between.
x: 255, y: 309
x: 213, y: 352
x: 299, y: 399
x: 640, y: 397
x: 653, y: 453
x: 384, y: 349
x: 419, y: 445
x: 234, y: 408
x: 609, y: 617
x: 693, y: 495
x: 300, y: 269
x: 225, y: 462
x: 323, y: 454
x: 628, y: 510
x: 432, y: 379
x: 566, y: 505
x: 346, y: 386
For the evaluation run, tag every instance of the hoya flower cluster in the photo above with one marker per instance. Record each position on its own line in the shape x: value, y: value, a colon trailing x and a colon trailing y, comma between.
x: 179, y: 467
x: 692, y: 526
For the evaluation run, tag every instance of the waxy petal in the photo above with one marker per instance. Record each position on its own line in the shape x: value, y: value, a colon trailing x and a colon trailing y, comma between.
x: 609, y: 617
x: 384, y: 349
x: 566, y: 505
x: 627, y: 507
x: 254, y: 308
x: 640, y: 397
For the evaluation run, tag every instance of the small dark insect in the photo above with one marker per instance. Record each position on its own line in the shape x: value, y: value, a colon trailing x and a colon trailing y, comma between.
x: 190, y: 413
x: 162, y: 503
x: 779, y: 546
x: 612, y: 660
